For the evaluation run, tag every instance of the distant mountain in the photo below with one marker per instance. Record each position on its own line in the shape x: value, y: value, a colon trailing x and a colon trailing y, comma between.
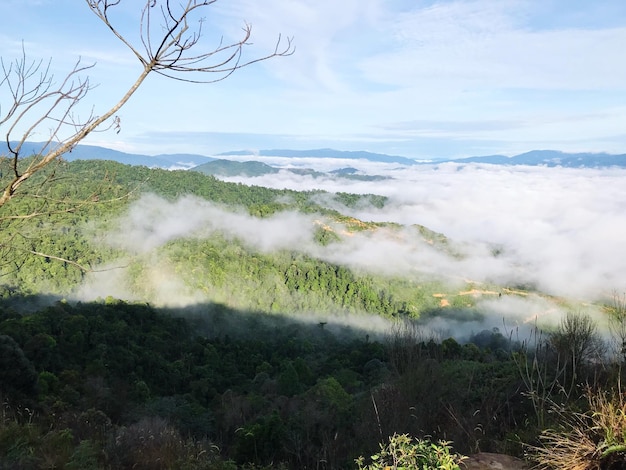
x: 230, y: 168
x: 253, y: 168
x: 492, y: 159
x: 354, y: 174
x: 548, y: 158
x: 94, y: 152
x: 323, y: 153
x: 552, y: 158
x: 345, y: 171
x: 185, y: 160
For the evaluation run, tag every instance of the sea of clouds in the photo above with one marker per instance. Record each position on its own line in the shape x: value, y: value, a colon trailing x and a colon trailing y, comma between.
x: 559, y: 230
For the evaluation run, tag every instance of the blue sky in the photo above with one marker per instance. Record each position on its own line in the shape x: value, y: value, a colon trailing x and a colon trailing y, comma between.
x: 423, y: 79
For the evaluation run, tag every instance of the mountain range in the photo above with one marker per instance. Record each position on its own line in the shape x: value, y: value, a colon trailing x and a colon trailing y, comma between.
x: 253, y: 168
x: 94, y: 152
x: 552, y: 158
x: 322, y: 153
x: 228, y: 167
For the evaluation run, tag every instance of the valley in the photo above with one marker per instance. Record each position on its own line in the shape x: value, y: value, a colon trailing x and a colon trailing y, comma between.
x: 247, y: 325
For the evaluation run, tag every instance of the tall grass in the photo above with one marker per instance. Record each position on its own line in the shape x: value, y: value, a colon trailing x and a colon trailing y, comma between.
x: 586, y: 440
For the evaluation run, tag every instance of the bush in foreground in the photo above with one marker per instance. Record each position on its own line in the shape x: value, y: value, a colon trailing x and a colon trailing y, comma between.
x: 403, y: 453
x: 592, y: 439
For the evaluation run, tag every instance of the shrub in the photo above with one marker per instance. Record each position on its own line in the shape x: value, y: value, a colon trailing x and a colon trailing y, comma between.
x: 404, y: 453
x: 592, y: 439
x: 86, y: 456
x: 154, y: 444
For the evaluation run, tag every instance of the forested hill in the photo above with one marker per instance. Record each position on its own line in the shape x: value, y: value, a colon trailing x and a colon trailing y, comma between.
x: 227, y: 263
x: 95, y: 152
x: 253, y: 168
x: 168, y: 320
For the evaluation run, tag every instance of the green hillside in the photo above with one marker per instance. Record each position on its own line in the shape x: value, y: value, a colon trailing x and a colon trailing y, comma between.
x: 154, y: 319
x: 226, y: 168
x: 223, y: 167
x: 217, y: 266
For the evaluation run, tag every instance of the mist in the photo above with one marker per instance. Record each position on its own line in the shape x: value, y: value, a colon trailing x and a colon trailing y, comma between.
x: 559, y: 231
x: 152, y: 222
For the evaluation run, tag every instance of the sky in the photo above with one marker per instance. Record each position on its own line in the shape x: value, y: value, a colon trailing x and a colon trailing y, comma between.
x: 417, y: 78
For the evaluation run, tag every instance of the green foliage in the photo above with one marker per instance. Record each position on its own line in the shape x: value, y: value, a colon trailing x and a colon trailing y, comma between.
x: 86, y: 456
x: 113, y: 384
x: 17, y: 443
x: 233, y: 168
x: 263, y: 389
x: 17, y: 374
x: 354, y: 200
x: 116, y: 364
x: 405, y: 453
x: 288, y: 380
x: 330, y: 392
x: 259, y: 442
x: 288, y: 282
x: 27, y: 445
x: 79, y: 209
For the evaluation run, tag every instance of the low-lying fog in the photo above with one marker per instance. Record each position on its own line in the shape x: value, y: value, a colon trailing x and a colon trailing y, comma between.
x: 561, y: 230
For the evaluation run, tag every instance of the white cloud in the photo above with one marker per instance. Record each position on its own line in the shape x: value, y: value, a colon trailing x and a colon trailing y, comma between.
x: 561, y: 229
x: 419, y: 78
x: 152, y: 222
x: 486, y: 45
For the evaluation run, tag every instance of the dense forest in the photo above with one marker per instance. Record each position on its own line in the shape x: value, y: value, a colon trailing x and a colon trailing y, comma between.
x: 262, y: 358
x: 87, y: 203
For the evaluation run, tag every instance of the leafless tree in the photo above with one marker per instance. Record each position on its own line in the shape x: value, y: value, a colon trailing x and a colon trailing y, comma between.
x: 552, y: 365
x: 617, y: 324
x: 577, y: 345
x: 577, y: 337
x: 169, y: 34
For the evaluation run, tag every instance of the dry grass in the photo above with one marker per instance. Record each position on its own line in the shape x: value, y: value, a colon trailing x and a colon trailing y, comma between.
x: 590, y: 440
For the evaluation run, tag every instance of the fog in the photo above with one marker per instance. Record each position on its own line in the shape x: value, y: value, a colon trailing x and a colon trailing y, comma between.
x: 152, y: 221
x: 560, y: 231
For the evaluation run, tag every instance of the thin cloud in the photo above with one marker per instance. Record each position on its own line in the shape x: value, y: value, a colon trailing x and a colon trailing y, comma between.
x: 426, y: 127
x: 484, y: 44
x: 361, y: 68
x: 152, y: 222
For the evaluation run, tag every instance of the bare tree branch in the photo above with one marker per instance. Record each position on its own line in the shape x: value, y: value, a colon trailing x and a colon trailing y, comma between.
x: 166, y: 43
x: 169, y: 34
